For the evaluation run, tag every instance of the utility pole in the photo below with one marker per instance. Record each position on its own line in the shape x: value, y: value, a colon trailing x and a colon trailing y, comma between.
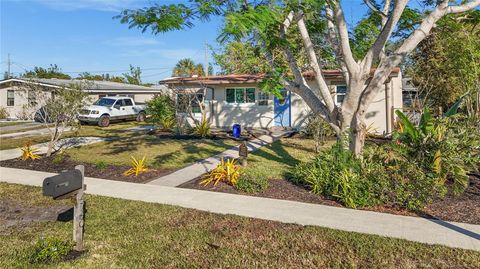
x: 8, y: 66
x: 206, y: 59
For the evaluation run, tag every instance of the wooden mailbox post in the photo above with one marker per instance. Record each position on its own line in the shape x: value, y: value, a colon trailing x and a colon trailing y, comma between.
x: 70, y: 184
x: 243, y: 153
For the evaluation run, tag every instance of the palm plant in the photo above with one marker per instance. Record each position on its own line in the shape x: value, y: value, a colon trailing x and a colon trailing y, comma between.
x: 187, y: 68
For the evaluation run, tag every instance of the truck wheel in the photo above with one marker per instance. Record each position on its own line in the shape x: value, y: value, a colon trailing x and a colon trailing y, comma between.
x: 141, y: 116
x: 104, y: 121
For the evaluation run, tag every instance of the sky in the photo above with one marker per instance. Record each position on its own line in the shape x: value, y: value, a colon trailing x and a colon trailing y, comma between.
x: 81, y: 36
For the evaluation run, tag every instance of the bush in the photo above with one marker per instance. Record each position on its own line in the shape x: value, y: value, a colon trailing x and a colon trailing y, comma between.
x: 338, y: 174
x: 252, y: 183
x: 101, y: 164
x: 227, y: 171
x: 203, y: 128
x: 167, y: 123
x: 138, y: 167
x: 47, y: 250
x: 3, y: 112
x: 162, y: 110
x: 318, y: 129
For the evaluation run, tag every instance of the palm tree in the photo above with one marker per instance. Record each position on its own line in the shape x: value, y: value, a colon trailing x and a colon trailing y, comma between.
x: 187, y: 68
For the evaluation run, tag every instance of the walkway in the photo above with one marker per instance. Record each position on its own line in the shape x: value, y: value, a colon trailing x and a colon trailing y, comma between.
x: 43, y: 147
x: 36, y: 132
x: 19, y: 125
x: 199, y: 168
x: 417, y: 229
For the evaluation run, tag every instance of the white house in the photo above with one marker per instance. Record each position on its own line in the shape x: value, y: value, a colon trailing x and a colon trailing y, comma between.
x: 234, y: 99
x: 15, y: 94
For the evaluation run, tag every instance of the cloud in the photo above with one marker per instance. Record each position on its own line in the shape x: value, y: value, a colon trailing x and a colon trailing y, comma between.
x: 102, y: 5
x: 130, y: 41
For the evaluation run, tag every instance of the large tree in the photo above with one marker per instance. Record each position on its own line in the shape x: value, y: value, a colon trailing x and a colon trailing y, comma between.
x: 187, y: 68
x: 279, y: 24
x: 446, y: 65
x: 51, y: 72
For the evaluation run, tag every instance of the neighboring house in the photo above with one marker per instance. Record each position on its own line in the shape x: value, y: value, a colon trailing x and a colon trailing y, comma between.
x: 15, y: 94
x: 238, y: 99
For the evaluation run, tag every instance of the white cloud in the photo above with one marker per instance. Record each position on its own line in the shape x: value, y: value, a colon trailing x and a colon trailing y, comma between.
x: 103, y: 5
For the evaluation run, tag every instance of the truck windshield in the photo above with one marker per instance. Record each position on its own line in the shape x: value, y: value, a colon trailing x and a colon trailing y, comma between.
x: 104, y: 102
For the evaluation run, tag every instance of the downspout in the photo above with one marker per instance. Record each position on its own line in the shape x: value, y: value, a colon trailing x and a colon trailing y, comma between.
x: 388, y: 107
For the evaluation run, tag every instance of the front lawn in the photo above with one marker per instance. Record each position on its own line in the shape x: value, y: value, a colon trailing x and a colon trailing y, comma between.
x: 128, y: 234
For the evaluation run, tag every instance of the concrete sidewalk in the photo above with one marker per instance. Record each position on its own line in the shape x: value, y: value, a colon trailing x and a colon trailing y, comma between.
x: 199, y: 168
x: 43, y: 147
x: 36, y: 132
x: 417, y: 229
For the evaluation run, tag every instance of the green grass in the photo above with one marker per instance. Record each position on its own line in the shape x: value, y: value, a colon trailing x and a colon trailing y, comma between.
x: 113, y: 131
x: 10, y: 123
x: 276, y: 160
x: 129, y: 234
x: 160, y: 153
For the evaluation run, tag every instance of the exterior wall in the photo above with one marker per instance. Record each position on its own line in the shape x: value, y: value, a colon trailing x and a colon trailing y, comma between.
x: 379, y: 117
x: 223, y: 114
x: 20, y: 110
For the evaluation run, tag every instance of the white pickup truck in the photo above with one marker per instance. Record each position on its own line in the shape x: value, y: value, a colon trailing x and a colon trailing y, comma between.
x: 112, y: 108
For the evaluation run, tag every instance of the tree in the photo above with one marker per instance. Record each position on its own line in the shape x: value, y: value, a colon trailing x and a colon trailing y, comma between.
x: 133, y: 77
x: 51, y: 72
x: 241, y: 58
x: 58, y: 110
x: 187, y: 68
x: 275, y: 24
x: 446, y: 65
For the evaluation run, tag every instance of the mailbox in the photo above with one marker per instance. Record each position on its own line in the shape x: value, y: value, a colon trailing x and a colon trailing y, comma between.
x: 64, y: 183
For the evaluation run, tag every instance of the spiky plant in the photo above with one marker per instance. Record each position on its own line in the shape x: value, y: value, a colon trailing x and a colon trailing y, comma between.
x: 138, y: 166
x: 29, y: 152
x: 227, y: 171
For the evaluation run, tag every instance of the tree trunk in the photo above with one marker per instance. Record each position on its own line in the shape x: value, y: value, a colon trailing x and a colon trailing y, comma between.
x: 51, y: 144
x: 357, y: 134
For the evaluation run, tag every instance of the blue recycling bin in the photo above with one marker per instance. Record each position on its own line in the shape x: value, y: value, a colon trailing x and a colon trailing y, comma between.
x: 236, y: 130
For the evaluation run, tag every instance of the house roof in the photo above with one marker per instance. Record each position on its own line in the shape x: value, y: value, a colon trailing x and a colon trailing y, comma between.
x: 245, y: 78
x: 89, y: 85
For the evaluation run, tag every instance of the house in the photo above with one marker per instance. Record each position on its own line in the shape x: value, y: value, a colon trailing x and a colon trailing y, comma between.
x: 15, y: 93
x: 238, y: 99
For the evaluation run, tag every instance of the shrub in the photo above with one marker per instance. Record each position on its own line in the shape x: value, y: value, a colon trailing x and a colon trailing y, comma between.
x: 167, y: 123
x: 227, y: 171
x: 3, y: 112
x: 252, y: 183
x: 318, y: 129
x: 47, y: 250
x: 338, y: 174
x: 161, y: 107
x: 29, y: 152
x: 101, y: 164
x: 203, y: 128
x: 138, y: 166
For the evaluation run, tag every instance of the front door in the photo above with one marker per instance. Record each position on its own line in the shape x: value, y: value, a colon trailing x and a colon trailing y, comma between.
x: 281, y: 109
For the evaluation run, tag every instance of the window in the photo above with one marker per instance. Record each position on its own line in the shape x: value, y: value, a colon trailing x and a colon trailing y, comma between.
x: 241, y: 95
x: 128, y: 102
x: 340, y: 91
x: 10, y: 98
x: 263, y: 98
x: 185, y: 101
x: 119, y: 102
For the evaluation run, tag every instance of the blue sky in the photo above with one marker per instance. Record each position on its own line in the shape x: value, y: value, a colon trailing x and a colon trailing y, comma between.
x: 80, y: 35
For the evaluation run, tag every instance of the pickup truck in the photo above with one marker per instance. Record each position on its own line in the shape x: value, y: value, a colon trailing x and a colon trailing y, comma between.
x: 112, y: 108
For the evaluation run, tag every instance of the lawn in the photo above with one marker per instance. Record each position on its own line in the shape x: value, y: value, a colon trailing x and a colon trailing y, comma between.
x: 159, y: 152
x: 114, y: 131
x: 276, y: 160
x: 129, y: 234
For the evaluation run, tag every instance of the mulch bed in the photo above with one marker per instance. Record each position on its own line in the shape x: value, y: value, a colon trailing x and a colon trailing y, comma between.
x: 112, y: 172
x: 216, y: 135
x: 464, y: 208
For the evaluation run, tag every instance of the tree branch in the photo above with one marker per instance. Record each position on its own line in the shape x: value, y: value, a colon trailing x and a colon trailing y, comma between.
x: 342, y: 31
x: 373, y: 8
x: 322, y: 84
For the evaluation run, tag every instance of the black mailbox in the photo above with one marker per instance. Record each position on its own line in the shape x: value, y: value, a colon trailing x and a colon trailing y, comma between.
x: 64, y: 183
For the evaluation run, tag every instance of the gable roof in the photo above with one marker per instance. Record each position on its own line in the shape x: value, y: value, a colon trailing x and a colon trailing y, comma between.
x: 89, y: 85
x: 256, y: 78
